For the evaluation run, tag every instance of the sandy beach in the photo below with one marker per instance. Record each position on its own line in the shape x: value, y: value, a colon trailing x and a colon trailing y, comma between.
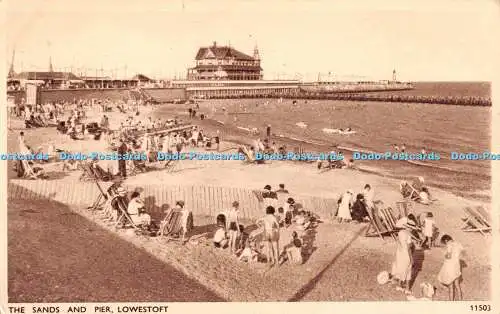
x: 338, y: 253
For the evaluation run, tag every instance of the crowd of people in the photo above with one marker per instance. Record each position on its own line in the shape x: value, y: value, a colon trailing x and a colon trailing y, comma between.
x: 280, y: 211
x: 262, y: 244
x: 421, y: 233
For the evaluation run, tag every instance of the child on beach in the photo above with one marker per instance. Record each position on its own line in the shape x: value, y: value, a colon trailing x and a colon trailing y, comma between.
x: 233, y: 226
x: 248, y: 253
x: 271, y: 235
x: 220, y: 238
x: 428, y: 230
x: 450, y: 274
x: 294, y: 250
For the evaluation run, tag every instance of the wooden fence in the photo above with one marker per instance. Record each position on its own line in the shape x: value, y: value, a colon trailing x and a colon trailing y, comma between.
x: 202, y: 200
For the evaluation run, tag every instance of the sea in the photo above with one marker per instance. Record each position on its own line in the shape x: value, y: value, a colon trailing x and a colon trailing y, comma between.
x: 378, y: 126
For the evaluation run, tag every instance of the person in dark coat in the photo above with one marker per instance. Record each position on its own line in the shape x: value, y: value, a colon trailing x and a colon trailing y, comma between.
x: 358, y: 209
x: 122, y: 165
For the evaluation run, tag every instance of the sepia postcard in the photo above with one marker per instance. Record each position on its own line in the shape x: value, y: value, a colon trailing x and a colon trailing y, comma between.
x: 188, y: 156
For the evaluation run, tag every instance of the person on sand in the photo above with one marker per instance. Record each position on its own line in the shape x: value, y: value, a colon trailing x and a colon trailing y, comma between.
x: 424, y: 195
x: 232, y: 225
x: 136, y: 210
x: 368, y: 194
x: 293, y: 250
x: 23, y: 148
x: 345, y: 203
x: 248, y: 254
x: 401, y: 272
x: 217, y: 140
x: 270, y: 198
x: 301, y: 222
x: 428, y: 230
x: 271, y: 235
x: 293, y: 207
x: 418, y: 184
x: 220, y: 238
x: 122, y: 164
x: 184, y: 219
x: 450, y: 274
x: 359, y: 208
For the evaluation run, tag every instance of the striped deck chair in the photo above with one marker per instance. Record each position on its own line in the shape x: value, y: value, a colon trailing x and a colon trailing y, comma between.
x: 477, y: 220
x: 102, y: 197
x: 404, y: 208
x: 171, y: 226
x: 389, y: 221
x: 124, y: 220
x: 409, y: 192
x: 378, y: 225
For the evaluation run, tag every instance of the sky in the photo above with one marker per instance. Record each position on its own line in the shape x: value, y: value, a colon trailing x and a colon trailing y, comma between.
x: 424, y: 40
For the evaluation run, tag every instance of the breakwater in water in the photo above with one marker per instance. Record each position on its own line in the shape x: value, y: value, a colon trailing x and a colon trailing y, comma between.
x: 373, y: 96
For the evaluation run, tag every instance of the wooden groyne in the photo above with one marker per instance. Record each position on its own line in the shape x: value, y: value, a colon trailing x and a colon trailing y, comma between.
x: 444, y: 100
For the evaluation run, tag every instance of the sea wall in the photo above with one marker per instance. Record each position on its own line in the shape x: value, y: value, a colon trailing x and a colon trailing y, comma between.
x: 202, y: 200
x: 114, y: 94
x: 164, y: 95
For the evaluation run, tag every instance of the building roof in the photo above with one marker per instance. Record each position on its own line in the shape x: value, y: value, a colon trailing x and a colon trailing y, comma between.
x: 222, y: 52
x: 46, y: 76
x: 140, y: 77
x: 229, y: 67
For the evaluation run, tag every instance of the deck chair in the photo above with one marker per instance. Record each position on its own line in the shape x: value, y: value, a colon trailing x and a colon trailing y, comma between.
x: 376, y: 226
x: 87, y: 172
x: 477, y: 220
x: 404, y: 208
x: 124, y: 218
x: 389, y: 221
x: 409, y: 192
x: 171, y: 226
x: 248, y: 158
x: 30, y: 172
x: 102, y: 196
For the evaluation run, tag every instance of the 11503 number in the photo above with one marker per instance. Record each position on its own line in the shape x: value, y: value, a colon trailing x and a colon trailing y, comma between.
x: 480, y: 308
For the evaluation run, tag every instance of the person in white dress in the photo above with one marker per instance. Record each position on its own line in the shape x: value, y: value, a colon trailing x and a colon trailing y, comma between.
x: 136, y: 211
x: 369, y: 194
x: 344, y: 212
x: 450, y: 274
x: 401, y: 271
